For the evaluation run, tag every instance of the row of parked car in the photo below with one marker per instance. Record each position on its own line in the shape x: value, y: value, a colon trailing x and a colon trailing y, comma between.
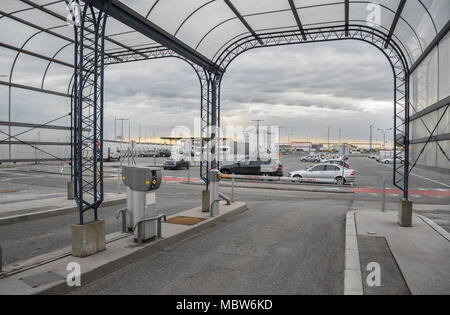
x: 389, y: 160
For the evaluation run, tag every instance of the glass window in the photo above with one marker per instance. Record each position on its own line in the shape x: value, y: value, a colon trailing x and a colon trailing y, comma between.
x: 332, y: 168
x: 424, y: 83
x: 318, y: 168
x: 444, y: 125
x: 442, y: 160
x: 444, y: 67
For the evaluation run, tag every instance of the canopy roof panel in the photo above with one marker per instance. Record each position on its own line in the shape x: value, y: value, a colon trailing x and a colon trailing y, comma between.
x: 210, y: 26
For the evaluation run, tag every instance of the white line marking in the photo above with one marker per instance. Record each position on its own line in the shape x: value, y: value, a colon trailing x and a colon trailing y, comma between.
x: 431, y: 180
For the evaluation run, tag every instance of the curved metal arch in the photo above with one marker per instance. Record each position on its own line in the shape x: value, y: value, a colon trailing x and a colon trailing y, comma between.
x: 431, y: 17
x: 233, y: 47
x: 374, y: 37
x: 50, y: 62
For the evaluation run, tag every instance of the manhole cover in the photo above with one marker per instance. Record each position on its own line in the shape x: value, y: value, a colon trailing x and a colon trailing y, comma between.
x: 185, y: 220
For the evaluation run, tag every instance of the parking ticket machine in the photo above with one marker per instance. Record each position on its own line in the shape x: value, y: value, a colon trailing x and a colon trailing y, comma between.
x: 139, y: 182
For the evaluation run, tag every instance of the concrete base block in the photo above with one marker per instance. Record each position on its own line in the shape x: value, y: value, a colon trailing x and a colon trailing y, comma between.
x: 88, y: 239
x: 405, y: 213
x: 205, y: 201
x: 70, y: 191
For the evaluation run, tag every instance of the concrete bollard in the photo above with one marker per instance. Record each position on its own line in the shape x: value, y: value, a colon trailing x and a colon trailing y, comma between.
x: 70, y: 191
x: 383, y: 206
x: 205, y: 201
x: 232, y: 190
x: 405, y: 213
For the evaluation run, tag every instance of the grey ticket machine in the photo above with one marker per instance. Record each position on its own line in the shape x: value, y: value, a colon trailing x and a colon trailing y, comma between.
x: 139, y: 182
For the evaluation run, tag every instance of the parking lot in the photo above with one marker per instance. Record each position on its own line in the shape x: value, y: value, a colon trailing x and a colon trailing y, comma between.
x: 24, y: 240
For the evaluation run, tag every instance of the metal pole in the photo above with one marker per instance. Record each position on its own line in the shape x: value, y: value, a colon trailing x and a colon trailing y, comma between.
x: 328, y: 127
x: 383, y: 207
x: 257, y: 137
x: 118, y: 176
x: 232, y: 190
x: 1, y: 259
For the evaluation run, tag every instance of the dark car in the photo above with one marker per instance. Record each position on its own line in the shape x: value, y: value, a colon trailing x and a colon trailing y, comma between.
x: 164, y: 153
x: 268, y: 167
x: 176, y: 163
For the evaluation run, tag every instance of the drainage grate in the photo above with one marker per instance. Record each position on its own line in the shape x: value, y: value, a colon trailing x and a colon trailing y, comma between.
x: 185, y: 220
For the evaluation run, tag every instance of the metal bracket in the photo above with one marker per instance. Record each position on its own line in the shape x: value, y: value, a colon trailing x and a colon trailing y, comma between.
x: 139, y: 227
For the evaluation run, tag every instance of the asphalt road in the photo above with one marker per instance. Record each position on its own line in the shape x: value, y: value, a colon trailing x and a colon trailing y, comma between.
x: 288, y: 242
x: 280, y: 246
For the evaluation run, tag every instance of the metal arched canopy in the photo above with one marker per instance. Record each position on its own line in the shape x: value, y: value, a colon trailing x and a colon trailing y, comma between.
x: 201, y: 30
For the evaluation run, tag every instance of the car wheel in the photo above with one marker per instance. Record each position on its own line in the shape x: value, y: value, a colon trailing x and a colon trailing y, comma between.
x: 339, y: 181
x: 386, y: 162
x: 297, y: 177
x: 317, y: 161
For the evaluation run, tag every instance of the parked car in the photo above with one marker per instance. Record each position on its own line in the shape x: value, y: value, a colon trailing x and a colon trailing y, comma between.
x: 372, y: 157
x: 337, y: 162
x: 110, y: 154
x: 164, y: 153
x: 341, y: 175
x: 311, y: 158
x: 268, y: 167
x: 176, y: 163
x: 391, y: 161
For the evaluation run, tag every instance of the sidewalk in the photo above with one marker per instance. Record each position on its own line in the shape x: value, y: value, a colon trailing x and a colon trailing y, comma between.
x: 24, y: 210
x: 47, y: 274
x: 412, y: 260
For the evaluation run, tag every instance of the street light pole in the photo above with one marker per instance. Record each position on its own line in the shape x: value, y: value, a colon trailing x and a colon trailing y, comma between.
x: 384, y: 137
x: 257, y: 137
x: 371, y: 128
x: 328, y: 127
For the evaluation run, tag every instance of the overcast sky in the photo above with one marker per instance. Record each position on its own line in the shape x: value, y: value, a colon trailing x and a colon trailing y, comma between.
x: 303, y: 88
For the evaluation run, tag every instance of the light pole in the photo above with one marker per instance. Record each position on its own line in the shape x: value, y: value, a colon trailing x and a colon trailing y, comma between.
x: 384, y: 136
x: 129, y: 127
x: 328, y: 127
x: 371, y: 128
x: 257, y: 137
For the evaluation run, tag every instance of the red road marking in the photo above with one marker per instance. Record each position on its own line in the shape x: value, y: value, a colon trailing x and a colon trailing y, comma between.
x: 433, y: 193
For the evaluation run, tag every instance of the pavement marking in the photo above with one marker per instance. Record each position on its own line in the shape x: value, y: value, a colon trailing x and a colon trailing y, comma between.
x: 413, y: 192
x: 352, y: 273
x: 435, y: 227
x: 431, y: 180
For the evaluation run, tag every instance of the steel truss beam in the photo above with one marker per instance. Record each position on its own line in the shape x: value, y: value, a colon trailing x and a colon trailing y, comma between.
x: 87, y: 135
x: 367, y: 34
x: 397, y: 16
x: 211, y: 83
x: 137, y: 22
x: 243, y: 21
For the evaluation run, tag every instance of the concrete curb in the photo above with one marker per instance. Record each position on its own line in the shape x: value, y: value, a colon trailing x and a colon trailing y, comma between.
x: 435, y: 226
x: 54, y: 212
x: 145, y: 252
x: 352, y: 274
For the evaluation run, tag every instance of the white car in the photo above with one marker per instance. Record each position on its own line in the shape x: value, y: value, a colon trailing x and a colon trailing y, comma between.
x: 340, y: 174
x: 391, y: 161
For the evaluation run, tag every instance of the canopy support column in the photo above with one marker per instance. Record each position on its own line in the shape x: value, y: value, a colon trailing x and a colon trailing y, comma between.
x: 87, y: 109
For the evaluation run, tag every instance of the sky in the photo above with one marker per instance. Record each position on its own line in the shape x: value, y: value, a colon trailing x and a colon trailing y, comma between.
x: 347, y: 85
